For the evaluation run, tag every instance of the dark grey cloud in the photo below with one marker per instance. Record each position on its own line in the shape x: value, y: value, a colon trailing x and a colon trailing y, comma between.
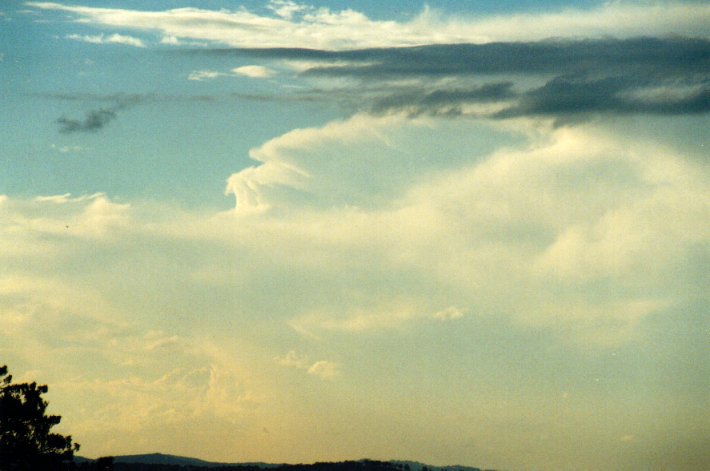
x: 93, y: 121
x: 559, y: 78
x: 446, y: 101
x: 567, y: 80
x: 96, y: 119
x: 664, y: 56
x: 565, y: 96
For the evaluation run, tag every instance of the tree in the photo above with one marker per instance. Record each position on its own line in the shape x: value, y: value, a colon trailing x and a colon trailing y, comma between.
x: 26, y: 442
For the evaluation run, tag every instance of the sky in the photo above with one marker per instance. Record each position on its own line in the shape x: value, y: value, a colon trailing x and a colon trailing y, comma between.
x: 459, y: 232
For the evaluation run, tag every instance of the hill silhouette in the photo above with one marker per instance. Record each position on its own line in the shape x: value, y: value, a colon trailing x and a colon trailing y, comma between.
x: 163, y: 462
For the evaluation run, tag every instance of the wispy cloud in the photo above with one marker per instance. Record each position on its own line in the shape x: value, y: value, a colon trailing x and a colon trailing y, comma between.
x: 303, y: 26
x: 451, y: 313
x: 200, y: 75
x: 250, y: 71
x: 67, y: 149
x: 108, y: 39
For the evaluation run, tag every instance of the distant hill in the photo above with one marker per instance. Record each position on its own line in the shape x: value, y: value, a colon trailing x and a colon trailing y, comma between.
x: 163, y: 462
x: 159, y: 458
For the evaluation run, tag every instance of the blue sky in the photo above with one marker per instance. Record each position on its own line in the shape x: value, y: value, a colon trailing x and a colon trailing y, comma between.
x: 456, y: 232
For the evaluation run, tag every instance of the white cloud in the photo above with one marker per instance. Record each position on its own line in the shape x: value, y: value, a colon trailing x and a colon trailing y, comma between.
x: 569, y: 229
x: 108, y: 39
x: 67, y: 149
x: 200, y: 75
x: 254, y: 71
x: 170, y: 41
x: 30, y: 223
x: 298, y: 26
x: 251, y: 71
x: 396, y: 315
x: 286, y: 8
x: 323, y: 369
x: 449, y: 314
x: 184, y: 316
x: 358, y: 321
x: 381, y: 157
x: 567, y: 209
x: 294, y: 360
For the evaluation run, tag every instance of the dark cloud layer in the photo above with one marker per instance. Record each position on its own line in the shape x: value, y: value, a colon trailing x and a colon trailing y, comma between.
x: 567, y: 80
x: 621, y: 94
x: 579, y: 77
x: 442, y: 101
x: 664, y: 56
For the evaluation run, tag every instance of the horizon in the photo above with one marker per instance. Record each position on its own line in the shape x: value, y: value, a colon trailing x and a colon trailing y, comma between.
x: 395, y: 460
x: 287, y: 231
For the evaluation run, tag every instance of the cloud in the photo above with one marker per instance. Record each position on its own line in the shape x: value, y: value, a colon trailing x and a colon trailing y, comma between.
x: 110, y: 39
x: 298, y: 25
x: 67, y: 149
x: 574, y: 96
x: 395, y: 315
x: 449, y: 314
x: 93, y: 121
x: 450, y: 101
x: 389, y: 317
x: 286, y: 8
x: 558, y: 212
x: 665, y: 57
x: 325, y: 370
x: 643, y: 75
x: 200, y: 75
x: 568, y: 244
x: 294, y: 360
x: 253, y: 71
x: 573, y: 230
x: 250, y: 71
x: 385, y: 155
x: 572, y: 78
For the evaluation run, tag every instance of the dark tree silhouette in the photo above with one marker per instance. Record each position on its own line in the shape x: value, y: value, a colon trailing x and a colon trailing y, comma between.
x: 26, y: 442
